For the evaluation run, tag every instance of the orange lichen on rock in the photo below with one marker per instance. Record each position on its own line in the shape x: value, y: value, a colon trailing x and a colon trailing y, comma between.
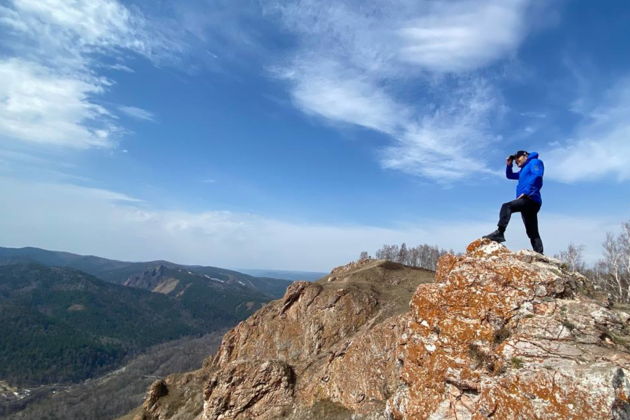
x: 504, y: 334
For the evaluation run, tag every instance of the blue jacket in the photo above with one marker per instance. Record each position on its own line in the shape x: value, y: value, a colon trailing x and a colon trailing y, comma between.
x: 530, y: 177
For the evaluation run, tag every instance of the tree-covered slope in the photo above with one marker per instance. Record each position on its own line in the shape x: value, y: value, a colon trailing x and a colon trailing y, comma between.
x: 196, y: 290
x: 60, y: 324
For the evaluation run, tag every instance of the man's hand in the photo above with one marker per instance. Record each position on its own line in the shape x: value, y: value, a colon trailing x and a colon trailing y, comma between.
x: 509, y: 160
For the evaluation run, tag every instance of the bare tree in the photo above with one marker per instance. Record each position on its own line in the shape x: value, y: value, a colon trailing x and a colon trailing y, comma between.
x: 613, y: 271
x: 612, y: 263
x: 623, y: 242
x: 364, y: 256
x: 388, y: 252
x: 425, y: 256
x: 573, y: 256
x: 403, y: 254
x: 414, y: 257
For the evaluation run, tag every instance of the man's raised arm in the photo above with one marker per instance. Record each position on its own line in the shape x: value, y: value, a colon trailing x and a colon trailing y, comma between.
x: 508, y: 168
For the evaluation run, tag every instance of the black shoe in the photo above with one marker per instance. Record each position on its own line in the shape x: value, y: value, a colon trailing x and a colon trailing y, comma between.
x: 496, y: 236
x: 537, y: 245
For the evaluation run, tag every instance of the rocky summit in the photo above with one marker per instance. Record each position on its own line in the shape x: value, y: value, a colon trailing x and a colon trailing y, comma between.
x: 493, y: 334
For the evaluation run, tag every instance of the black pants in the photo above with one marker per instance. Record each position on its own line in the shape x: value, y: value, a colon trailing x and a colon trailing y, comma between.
x: 529, y: 212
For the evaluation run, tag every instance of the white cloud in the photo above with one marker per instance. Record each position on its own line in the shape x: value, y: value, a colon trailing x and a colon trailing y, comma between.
x: 49, y: 83
x: 434, y: 141
x: 462, y: 36
x: 331, y: 92
x: 40, y: 105
x: 444, y: 142
x: 110, y: 224
x: 138, y: 113
x: 600, y: 146
x: 122, y: 67
x: 78, y: 26
x: 380, y: 37
x: 357, y: 64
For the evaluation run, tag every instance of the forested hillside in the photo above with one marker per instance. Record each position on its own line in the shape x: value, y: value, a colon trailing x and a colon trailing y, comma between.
x: 62, y: 325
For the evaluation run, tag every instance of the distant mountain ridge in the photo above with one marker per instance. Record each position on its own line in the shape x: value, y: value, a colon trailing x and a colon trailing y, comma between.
x: 119, y: 272
x: 196, y: 290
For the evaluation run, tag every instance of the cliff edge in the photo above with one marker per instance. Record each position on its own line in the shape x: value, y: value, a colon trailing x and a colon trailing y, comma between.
x: 499, y: 334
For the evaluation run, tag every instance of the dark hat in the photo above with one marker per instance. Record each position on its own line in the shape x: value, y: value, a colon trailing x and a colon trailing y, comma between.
x: 519, y: 154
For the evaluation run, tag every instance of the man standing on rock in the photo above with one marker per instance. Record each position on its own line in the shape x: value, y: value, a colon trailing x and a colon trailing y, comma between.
x: 528, y: 199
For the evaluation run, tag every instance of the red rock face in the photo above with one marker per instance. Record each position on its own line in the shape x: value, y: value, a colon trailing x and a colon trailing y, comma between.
x: 504, y: 335
x: 338, y: 338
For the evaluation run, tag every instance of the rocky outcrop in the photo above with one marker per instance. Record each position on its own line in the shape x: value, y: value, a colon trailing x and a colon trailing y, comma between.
x: 508, y: 336
x: 269, y: 392
x: 338, y: 336
x: 498, y: 335
x: 178, y: 396
x: 326, y: 348
x: 148, y: 279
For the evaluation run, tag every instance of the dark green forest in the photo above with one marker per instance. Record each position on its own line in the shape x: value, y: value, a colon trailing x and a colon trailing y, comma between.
x: 63, y: 325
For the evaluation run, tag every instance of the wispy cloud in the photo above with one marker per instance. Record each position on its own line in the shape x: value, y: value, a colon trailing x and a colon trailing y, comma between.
x: 601, y: 144
x: 43, y: 106
x: 436, y: 36
x: 122, y: 67
x: 79, y: 27
x: 329, y: 90
x: 49, y: 80
x: 443, y: 142
x: 138, y: 113
x: 356, y: 64
x: 462, y: 36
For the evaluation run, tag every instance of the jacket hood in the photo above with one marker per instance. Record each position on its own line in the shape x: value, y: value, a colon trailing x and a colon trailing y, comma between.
x: 531, y: 155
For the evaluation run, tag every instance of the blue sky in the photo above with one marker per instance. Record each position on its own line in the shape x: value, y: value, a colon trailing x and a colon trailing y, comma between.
x: 294, y: 135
